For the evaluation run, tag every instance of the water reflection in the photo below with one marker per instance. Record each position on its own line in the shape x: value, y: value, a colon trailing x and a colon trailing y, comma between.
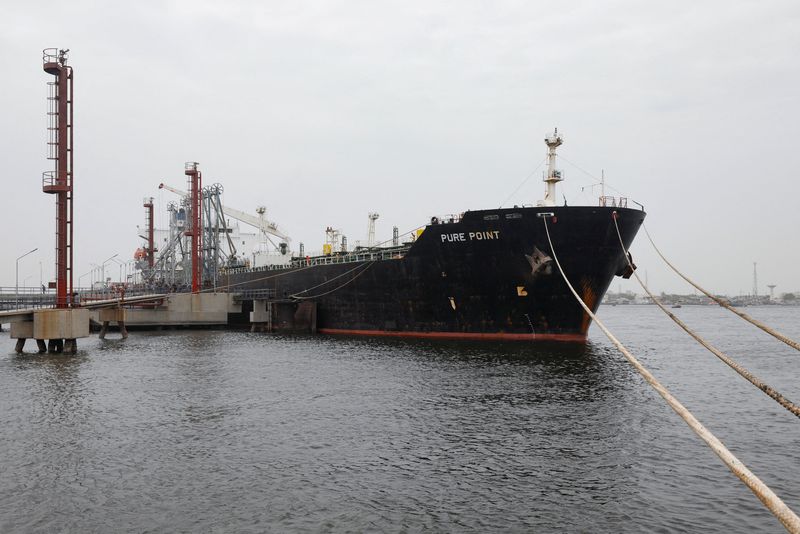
x: 163, y: 431
x: 47, y: 416
x: 54, y: 384
x: 595, y: 367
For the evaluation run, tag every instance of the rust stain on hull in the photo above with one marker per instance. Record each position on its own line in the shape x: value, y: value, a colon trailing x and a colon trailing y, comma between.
x: 589, y: 296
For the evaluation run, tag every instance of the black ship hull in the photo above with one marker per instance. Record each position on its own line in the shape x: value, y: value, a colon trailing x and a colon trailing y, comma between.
x: 489, y: 275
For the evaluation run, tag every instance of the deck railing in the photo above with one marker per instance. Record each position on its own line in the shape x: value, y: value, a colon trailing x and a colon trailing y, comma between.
x: 394, y: 253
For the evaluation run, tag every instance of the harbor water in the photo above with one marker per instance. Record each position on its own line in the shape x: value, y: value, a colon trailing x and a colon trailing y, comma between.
x: 222, y: 431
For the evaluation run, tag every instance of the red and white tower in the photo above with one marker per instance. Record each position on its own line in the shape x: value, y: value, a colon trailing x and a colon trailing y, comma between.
x: 59, y: 181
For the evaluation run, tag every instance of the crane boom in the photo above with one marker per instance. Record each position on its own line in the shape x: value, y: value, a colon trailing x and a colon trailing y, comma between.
x: 266, y: 226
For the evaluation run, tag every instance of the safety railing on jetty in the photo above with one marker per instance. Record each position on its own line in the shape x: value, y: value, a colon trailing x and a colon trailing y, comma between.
x: 12, y: 298
x: 393, y: 253
x: 26, y: 291
x: 85, y: 296
x: 35, y: 298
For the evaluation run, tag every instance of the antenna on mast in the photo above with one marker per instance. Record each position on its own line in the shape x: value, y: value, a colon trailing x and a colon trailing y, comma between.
x: 602, y: 182
x: 373, y: 216
x: 553, y: 175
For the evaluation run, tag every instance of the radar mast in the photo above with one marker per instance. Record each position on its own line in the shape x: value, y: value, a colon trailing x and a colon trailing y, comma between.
x: 553, y: 175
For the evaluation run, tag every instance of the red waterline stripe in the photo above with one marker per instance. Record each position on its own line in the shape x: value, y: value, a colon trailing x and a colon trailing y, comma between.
x: 458, y: 335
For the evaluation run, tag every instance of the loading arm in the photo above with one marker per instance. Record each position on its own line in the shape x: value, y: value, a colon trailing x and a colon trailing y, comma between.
x: 268, y: 227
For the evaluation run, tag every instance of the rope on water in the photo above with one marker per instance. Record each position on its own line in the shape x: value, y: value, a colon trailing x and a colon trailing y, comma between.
x: 784, y: 514
x: 337, y: 288
x: 747, y: 375
x: 774, y: 333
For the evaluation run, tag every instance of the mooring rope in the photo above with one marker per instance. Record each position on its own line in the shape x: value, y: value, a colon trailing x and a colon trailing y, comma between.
x: 784, y: 514
x: 771, y: 331
x: 747, y: 375
x: 326, y: 282
x: 260, y: 279
x: 337, y: 288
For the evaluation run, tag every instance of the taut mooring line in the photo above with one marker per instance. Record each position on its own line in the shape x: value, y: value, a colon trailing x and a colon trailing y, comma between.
x: 784, y: 514
x: 747, y: 375
x: 771, y: 331
x: 260, y: 279
x: 337, y: 288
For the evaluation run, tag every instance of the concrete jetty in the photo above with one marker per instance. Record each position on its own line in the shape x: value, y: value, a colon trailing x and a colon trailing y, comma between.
x: 60, y: 328
x: 57, y: 330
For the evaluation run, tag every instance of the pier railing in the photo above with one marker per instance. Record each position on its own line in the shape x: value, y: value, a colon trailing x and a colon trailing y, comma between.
x: 83, y: 296
x: 26, y: 298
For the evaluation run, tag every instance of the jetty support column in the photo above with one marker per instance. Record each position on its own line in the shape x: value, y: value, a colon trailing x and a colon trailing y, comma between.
x: 261, y: 316
x: 117, y: 315
x: 55, y: 330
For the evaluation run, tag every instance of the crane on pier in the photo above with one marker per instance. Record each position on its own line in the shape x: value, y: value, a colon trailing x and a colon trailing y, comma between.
x: 267, y: 227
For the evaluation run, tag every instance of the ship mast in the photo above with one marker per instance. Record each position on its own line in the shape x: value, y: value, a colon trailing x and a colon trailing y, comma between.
x: 553, y: 175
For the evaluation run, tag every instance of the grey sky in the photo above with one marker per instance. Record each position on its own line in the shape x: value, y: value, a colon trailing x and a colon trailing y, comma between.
x: 323, y: 111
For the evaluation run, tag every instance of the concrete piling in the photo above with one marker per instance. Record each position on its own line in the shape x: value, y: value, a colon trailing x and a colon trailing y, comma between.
x: 284, y: 316
x: 116, y: 315
x: 55, y: 330
x: 261, y: 316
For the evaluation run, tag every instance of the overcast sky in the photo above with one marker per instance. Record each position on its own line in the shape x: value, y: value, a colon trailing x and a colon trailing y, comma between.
x: 324, y: 111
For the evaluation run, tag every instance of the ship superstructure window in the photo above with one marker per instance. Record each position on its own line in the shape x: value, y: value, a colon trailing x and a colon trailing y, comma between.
x: 513, y: 215
x: 491, y: 217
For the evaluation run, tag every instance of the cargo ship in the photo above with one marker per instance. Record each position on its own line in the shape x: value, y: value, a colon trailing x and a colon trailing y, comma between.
x: 480, y: 275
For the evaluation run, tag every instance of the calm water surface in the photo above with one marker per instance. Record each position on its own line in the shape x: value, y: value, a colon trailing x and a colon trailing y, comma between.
x: 212, y: 431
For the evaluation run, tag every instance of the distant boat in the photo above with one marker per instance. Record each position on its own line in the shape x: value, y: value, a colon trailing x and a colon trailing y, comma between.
x: 676, y: 305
